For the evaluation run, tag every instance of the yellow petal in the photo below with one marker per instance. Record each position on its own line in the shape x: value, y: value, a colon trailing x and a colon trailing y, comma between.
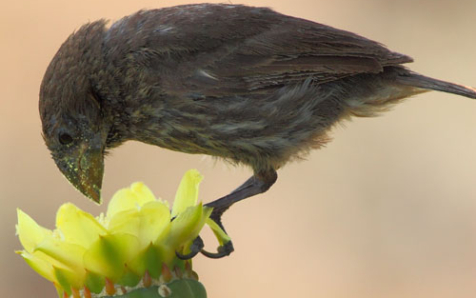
x: 78, y: 227
x: 207, y: 211
x: 147, y: 225
x: 161, y: 239
x: 132, y: 197
x: 68, y: 254
x: 195, y: 230
x: 221, y: 236
x: 29, y: 232
x: 187, y: 192
x: 40, y: 265
x: 154, y: 221
x: 187, y: 225
x: 126, y: 221
x: 109, y: 255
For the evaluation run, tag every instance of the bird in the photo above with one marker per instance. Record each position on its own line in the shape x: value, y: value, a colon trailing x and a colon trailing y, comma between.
x: 245, y: 84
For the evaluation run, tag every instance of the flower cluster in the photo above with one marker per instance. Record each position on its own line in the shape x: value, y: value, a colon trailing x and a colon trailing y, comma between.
x: 133, y: 245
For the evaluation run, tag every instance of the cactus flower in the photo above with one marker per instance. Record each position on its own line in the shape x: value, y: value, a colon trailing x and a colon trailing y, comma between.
x: 132, y: 246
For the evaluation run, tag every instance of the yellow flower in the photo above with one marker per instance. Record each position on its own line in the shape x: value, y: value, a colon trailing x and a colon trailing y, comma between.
x: 135, y: 243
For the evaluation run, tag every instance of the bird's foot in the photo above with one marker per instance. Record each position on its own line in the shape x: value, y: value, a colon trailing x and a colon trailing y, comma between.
x: 197, y: 245
x: 254, y: 185
x: 195, y: 248
x: 222, y: 251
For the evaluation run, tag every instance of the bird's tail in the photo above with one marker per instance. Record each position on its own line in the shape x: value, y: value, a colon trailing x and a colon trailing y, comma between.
x: 417, y: 80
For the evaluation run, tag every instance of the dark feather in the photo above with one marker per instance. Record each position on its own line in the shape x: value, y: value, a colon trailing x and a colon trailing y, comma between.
x: 244, y: 49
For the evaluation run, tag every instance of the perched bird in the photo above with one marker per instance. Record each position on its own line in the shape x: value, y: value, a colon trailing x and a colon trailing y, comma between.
x: 246, y: 84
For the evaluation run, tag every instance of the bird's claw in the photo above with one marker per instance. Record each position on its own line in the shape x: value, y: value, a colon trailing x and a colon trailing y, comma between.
x: 227, y: 248
x: 222, y: 251
x: 195, y: 248
x: 197, y: 245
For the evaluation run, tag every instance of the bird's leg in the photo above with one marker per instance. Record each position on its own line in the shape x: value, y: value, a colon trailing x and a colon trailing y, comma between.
x: 258, y: 183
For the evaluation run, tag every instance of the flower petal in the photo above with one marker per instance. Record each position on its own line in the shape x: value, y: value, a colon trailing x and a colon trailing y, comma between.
x: 187, y: 192
x: 147, y: 225
x: 187, y: 225
x: 40, y: 265
x: 109, y: 255
x: 129, y: 198
x: 78, y: 227
x: 68, y: 254
x: 126, y: 221
x: 154, y: 221
x: 221, y: 236
x: 29, y: 232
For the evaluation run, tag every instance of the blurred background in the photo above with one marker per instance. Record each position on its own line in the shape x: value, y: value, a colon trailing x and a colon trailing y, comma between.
x: 385, y: 210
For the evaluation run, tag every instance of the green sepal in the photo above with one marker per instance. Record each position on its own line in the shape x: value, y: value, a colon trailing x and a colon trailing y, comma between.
x: 128, y: 278
x: 109, y: 254
x: 149, y: 259
x: 94, y: 282
x: 64, y: 278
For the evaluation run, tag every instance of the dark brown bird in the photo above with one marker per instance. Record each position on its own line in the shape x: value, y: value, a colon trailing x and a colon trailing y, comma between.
x: 246, y: 84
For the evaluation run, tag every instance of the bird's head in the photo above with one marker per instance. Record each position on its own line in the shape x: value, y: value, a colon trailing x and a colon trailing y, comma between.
x: 71, y: 114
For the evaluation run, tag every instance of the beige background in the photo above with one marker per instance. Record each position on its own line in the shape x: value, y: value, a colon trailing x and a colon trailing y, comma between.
x: 386, y: 210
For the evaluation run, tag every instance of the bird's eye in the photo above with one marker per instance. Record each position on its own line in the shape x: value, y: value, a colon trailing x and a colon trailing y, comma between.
x: 65, y: 138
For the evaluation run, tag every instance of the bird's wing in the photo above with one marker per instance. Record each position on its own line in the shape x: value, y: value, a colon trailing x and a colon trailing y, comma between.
x: 217, y: 50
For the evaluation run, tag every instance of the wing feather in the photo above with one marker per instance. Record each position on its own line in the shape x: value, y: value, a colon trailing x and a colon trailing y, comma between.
x: 233, y: 49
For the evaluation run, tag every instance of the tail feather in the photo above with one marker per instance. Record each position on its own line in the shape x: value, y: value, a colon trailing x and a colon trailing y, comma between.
x: 417, y: 80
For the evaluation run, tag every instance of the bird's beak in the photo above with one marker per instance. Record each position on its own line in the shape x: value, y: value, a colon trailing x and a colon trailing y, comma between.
x: 85, y: 170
